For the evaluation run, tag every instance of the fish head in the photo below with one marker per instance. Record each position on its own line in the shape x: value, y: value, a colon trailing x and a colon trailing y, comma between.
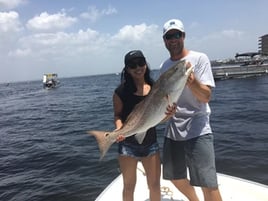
x: 176, y: 76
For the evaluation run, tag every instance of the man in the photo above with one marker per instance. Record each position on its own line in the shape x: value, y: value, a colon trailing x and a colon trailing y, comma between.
x: 188, y: 136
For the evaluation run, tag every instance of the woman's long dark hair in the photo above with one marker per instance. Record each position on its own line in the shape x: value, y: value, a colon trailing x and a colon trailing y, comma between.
x: 128, y: 82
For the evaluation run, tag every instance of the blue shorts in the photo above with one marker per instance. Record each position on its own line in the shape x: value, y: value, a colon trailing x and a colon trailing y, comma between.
x: 197, y: 154
x: 137, y: 150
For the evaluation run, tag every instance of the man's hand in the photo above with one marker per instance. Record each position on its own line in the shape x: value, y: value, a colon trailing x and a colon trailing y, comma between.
x: 171, y: 109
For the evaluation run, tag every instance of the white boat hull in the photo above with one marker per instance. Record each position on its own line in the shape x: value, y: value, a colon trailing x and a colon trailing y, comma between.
x: 231, y: 188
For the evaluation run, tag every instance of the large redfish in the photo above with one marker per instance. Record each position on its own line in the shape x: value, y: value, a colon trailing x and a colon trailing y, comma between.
x: 151, y: 111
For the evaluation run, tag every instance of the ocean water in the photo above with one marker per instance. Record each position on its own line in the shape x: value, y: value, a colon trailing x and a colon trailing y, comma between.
x: 45, y: 153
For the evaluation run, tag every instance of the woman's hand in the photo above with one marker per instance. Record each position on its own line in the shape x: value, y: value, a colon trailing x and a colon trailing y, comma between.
x: 120, y: 138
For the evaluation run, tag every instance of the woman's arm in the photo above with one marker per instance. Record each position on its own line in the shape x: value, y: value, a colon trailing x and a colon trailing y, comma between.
x: 118, y: 108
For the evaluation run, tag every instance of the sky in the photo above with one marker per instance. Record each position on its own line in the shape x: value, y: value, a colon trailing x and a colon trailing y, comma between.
x: 89, y: 37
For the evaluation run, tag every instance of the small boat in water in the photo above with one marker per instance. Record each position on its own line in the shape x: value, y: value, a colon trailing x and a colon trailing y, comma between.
x: 231, y: 188
x: 50, y: 81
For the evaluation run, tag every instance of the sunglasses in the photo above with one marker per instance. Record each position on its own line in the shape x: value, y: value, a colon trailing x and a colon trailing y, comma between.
x: 176, y: 35
x: 136, y: 63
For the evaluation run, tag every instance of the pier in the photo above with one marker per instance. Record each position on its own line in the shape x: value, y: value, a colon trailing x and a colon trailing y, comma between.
x: 229, y: 72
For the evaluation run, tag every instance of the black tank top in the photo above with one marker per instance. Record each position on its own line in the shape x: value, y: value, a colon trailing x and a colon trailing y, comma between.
x: 129, y: 101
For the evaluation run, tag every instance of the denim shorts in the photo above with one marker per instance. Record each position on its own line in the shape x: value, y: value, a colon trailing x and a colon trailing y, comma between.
x: 137, y: 150
x: 197, y: 155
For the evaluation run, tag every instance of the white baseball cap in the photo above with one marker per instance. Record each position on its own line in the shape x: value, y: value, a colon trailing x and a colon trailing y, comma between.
x: 173, y: 24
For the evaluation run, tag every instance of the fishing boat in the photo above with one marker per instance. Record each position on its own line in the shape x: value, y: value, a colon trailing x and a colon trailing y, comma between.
x: 50, y: 81
x: 231, y: 188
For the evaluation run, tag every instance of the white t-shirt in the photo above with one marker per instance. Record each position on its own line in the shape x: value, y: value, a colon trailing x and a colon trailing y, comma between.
x: 192, y: 117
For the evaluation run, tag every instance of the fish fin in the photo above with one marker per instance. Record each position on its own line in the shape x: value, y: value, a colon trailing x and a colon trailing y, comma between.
x: 103, y: 140
x: 140, y: 137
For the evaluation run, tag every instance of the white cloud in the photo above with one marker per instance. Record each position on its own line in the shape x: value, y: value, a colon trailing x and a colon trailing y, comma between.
x: 86, y: 48
x: 47, y: 22
x: 94, y: 14
x: 136, y: 32
x: 9, y: 22
x: 85, y: 41
x: 223, y: 44
x: 223, y: 34
x: 10, y: 4
x: 59, y: 44
x: 232, y: 33
x: 20, y: 53
x: 10, y: 30
x: 61, y: 38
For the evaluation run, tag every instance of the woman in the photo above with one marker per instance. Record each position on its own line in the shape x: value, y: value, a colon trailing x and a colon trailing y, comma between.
x: 136, y: 83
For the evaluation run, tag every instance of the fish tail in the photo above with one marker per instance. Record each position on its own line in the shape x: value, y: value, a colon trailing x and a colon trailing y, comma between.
x: 103, y: 140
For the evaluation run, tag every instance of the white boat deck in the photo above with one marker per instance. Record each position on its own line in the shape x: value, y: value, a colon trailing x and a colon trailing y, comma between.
x: 231, y: 188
